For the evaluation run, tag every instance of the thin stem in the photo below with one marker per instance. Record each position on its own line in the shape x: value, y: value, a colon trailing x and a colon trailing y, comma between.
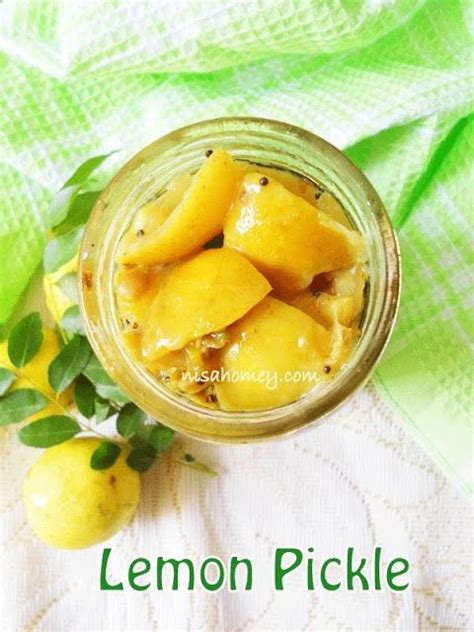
x: 196, y: 465
x: 55, y: 400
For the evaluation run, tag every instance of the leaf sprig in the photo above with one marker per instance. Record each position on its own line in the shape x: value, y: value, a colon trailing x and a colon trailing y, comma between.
x: 68, y: 212
x: 96, y: 396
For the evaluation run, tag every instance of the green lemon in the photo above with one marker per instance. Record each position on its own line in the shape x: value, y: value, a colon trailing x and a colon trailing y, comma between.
x: 71, y: 506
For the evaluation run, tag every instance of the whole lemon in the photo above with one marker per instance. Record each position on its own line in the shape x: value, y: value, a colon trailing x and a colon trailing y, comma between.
x: 72, y: 506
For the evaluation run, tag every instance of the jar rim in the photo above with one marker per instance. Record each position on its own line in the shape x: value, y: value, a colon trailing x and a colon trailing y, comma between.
x: 282, y: 420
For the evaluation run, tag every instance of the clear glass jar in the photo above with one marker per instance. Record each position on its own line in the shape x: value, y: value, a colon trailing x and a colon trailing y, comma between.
x: 273, y: 144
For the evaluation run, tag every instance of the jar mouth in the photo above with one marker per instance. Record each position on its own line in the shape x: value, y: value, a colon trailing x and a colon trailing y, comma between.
x: 270, y: 143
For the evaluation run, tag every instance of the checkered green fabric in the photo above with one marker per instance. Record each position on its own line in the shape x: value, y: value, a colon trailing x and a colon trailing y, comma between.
x: 388, y: 80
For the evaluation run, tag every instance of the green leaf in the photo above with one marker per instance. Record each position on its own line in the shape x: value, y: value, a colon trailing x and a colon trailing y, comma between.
x: 49, y: 431
x: 69, y: 363
x: 96, y: 373
x: 79, y: 211
x: 20, y: 404
x: 84, y: 397
x: 102, y: 409
x: 104, y: 384
x: 105, y: 455
x: 112, y: 392
x: 130, y: 419
x: 160, y: 437
x: 62, y: 249
x: 86, y: 168
x: 6, y: 380
x: 72, y: 321
x: 25, y: 340
x: 60, y: 205
x: 138, y: 441
x: 141, y: 459
x: 68, y: 286
x: 148, y: 443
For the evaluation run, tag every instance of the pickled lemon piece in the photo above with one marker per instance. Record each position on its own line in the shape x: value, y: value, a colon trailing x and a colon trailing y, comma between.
x: 135, y: 289
x: 336, y: 314
x: 326, y: 309
x: 276, y: 354
x: 189, y: 370
x: 287, y: 238
x: 302, y: 187
x: 350, y: 282
x: 198, y: 217
x: 203, y: 294
x: 329, y: 205
x: 153, y: 214
x: 343, y: 340
x: 295, y: 184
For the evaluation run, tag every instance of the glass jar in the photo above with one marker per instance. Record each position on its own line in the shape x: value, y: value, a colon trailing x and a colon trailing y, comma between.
x: 146, y: 175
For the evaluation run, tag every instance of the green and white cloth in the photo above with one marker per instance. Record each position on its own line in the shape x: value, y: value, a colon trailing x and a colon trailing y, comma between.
x: 388, y: 81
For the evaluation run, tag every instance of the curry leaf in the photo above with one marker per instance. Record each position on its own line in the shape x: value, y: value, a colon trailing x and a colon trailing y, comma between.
x: 7, y: 378
x: 104, y: 384
x: 20, y: 404
x: 49, y: 431
x: 68, y: 286
x: 69, y: 363
x: 105, y: 455
x: 112, y: 392
x: 102, y: 409
x: 130, y: 419
x: 25, y: 340
x: 72, y: 321
x: 86, y: 168
x: 78, y: 212
x: 60, y: 205
x: 96, y: 373
x: 141, y: 459
x: 84, y: 397
x: 160, y: 437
